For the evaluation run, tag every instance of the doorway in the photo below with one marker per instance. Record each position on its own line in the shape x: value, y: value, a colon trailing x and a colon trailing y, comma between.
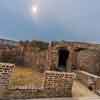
x: 63, y: 55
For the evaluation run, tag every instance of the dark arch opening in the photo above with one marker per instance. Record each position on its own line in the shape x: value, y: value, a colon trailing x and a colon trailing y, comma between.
x: 63, y: 55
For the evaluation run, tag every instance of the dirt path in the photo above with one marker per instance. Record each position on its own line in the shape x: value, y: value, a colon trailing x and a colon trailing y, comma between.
x: 79, y: 90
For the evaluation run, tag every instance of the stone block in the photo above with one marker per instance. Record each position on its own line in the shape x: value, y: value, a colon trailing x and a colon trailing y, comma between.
x: 58, y: 83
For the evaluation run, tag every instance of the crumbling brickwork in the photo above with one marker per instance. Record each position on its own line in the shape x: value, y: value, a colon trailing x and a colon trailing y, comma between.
x: 58, y: 83
x: 5, y: 73
x: 89, y: 60
x: 55, y: 84
x: 79, y: 55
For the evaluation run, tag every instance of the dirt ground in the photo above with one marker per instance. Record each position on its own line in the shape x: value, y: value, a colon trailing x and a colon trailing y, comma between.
x: 25, y: 77
x: 79, y: 90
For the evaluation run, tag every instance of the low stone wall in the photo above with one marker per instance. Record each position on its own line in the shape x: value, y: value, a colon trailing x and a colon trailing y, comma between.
x: 89, y: 80
x: 25, y: 93
x: 55, y: 84
x: 58, y: 83
x: 5, y: 73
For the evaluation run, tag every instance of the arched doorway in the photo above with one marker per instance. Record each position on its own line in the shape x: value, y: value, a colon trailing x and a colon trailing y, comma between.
x: 63, y: 55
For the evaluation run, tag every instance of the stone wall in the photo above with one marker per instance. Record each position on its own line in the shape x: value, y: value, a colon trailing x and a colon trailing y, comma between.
x: 23, y: 56
x: 79, y: 53
x: 53, y: 56
x: 82, y: 56
x: 89, y: 60
x: 31, y: 57
x: 89, y: 80
x: 42, y: 60
x: 58, y: 83
x: 5, y: 73
x: 55, y: 84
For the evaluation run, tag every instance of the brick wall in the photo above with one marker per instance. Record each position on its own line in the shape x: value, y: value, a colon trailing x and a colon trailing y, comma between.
x: 82, y: 56
x: 89, y: 60
x: 5, y: 73
x: 58, y: 83
x: 55, y: 84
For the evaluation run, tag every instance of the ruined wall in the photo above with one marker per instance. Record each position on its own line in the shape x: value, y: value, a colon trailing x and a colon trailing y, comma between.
x: 89, y: 80
x: 53, y: 54
x: 42, y: 60
x: 89, y: 60
x: 5, y: 73
x: 23, y: 55
x: 48, y: 59
x: 8, y: 54
x: 82, y: 56
x: 58, y: 83
x: 32, y: 57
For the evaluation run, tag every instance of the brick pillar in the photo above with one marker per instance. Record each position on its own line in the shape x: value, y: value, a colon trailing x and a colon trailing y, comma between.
x: 69, y: 63
x: 74, y: 59
x: 49, y: 56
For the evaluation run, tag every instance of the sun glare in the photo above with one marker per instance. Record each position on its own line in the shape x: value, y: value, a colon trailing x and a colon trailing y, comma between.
x: 34, y: 9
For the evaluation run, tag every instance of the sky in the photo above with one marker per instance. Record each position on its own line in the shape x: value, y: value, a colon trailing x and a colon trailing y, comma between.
x: 69, y: 20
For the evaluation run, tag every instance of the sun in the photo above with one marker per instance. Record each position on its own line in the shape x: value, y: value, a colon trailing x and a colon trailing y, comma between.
x: 34, y: 9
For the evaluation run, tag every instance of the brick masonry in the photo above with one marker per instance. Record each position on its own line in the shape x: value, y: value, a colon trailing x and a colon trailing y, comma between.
x: 59, y: 82
x: 55, y: 84
x: 48, y: 59
x: 89, y: 60
x: 82, y: 56
x: 5, y: 73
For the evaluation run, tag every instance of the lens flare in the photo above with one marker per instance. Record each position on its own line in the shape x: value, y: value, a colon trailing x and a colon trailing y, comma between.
x: 34, y: 9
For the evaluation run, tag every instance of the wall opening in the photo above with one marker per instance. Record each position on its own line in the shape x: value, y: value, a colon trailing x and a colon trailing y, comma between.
x: 63, y: 55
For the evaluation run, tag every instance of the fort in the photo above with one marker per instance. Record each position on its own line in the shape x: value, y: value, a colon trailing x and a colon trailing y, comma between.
x: 62, y: 63
x: 75, y: 55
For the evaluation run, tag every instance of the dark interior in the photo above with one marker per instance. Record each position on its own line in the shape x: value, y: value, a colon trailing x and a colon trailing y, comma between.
x: 63, y: 57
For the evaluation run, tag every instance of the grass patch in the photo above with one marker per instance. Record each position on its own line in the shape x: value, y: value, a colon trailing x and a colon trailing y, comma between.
x: 25, y: 76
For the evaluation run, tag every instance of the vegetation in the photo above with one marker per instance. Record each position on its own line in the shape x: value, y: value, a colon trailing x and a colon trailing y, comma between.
x: 37, y: 45
x: 25, y: 77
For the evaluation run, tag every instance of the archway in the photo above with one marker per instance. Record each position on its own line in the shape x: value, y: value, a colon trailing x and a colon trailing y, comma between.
x: 63, y: 55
